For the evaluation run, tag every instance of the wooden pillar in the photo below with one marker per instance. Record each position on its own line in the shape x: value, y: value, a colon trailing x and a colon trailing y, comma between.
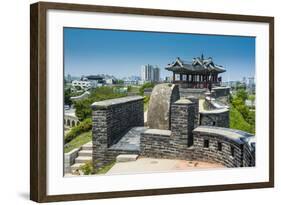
x: 174, y: 77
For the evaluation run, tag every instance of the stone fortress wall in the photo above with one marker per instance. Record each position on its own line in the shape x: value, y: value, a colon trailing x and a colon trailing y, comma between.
x: 223, y: 145
x: 222, y: 94
x: 217, y: 92
x: 189, y: 134
x: 111, y: 120
x: 195, y: 92
x: 219, y: 118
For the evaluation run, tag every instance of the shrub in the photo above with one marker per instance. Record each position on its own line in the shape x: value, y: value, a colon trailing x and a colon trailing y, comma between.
x: 84, y: 126
x: 67, y: 95
x: 146, y: 99
x: 238, y: 122
x: 146, y: 85
x: 87, y: 168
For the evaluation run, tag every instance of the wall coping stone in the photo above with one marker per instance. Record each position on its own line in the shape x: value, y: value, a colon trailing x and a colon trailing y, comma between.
x: 75, y: 150
x: 215, y: 111
x: 198, y: 90
x: 109, y: 103
x: 183, y: 101
x: 191, y: 97
x: 221, y: 88
x: 237, y: 136
x: 158, y: 132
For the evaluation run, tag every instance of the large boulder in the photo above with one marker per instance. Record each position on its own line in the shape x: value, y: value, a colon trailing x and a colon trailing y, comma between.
x: 159, y: 109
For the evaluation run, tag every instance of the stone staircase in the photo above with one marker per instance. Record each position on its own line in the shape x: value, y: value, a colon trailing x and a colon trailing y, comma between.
x: 84, y: 155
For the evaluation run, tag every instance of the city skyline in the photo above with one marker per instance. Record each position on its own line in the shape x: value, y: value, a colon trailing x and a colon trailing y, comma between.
x: 123, y: 53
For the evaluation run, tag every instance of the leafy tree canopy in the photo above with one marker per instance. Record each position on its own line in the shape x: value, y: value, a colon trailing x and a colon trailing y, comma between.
x: 144, y: 86
x: 242, y: 94
x: 83, y: 107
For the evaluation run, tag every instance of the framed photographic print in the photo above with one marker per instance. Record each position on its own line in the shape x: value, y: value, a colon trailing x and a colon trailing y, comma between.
x: 134, y: 102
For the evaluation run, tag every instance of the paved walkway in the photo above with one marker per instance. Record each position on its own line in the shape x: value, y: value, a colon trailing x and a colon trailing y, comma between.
x: 130, y: 141
x: 142, y: 165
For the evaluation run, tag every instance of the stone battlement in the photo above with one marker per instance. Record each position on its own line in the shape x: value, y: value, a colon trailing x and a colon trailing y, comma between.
x: 112, y: 119
x: 178, y: 128
x: 105, y: 104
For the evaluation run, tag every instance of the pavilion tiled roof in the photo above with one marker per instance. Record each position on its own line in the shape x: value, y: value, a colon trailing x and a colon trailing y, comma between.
x: 197, y: 65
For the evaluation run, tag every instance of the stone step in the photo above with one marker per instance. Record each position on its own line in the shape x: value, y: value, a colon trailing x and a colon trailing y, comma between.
x: 83, y: 159
x: 76, y: 166
x: 88, y: 146
x: 86, y: 153
x: 126, y: 157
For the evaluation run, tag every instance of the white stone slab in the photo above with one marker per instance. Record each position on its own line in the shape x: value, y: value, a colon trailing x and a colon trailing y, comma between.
x: 126, y: 157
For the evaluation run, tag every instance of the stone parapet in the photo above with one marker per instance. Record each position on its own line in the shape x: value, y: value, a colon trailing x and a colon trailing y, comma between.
x: 182, y: 122
x: 217, y: 117
x: 222, y: 145
x: 111, y: 120
x: 156, y: 143
x: 69, y: 159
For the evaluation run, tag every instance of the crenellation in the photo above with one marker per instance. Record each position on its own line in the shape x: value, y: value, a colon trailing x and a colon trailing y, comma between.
x: 185, y: 139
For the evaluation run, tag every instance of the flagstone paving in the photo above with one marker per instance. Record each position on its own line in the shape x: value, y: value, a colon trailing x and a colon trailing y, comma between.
x: 142, y: 165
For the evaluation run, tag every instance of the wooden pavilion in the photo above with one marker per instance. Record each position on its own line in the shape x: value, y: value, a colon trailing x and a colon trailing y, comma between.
x: 199, y: 73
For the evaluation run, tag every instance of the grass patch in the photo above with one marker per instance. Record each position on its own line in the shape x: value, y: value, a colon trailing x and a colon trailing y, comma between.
x: 238, y: 122
x: 145, y: 107
x: 134, y: 89
x: 106, y: 168
x: 146, y: 102
x: 84, y: 126
x: 78, y: 141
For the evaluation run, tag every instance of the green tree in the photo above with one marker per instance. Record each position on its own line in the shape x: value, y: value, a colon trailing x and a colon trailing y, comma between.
x: 252, y: 99
x: 242, y: 94
x: 238, y: 103
x: 144, y: 86
x: 240, y: 86
x: 83, y: 107
x: 67, y: 95
x: 237, y: 121
x: 120, y: 82
x: 83, y: 126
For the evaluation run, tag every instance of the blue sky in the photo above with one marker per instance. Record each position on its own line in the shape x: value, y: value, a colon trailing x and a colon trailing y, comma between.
x: 122, y: 53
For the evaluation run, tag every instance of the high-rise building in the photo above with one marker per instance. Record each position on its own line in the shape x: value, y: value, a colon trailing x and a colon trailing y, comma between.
x: 150, y: 73
x: 244, y: 80
x: 156, y: 74
x: 69, y: 79
x: 252, y: 84
x: 251, y: 81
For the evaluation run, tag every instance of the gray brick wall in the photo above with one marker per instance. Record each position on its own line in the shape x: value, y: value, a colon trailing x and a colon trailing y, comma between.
x: 112, y: 119
x: 184, y: 141
x: 174, y: 144
x: 212, y: 154
x: 156, y: 143
x: 182, y: 122
x: 195, y: 100
x: 219, y: 118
